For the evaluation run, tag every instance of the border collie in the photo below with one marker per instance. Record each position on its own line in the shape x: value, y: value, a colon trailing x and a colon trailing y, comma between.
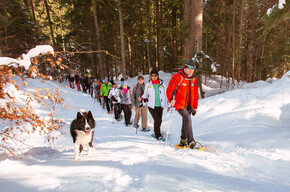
x: 82, y: 132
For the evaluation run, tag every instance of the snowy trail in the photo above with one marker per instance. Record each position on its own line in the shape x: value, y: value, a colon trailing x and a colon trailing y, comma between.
x: 248, y: 150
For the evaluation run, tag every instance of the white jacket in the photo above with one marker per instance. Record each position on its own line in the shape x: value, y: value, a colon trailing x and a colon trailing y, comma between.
x: 149, y: 94
x: 115, y: 93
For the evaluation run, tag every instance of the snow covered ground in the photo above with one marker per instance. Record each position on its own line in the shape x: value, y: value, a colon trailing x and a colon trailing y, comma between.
x: 246, y: 133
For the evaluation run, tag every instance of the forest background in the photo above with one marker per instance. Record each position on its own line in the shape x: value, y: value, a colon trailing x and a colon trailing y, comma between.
x: 109, y: 38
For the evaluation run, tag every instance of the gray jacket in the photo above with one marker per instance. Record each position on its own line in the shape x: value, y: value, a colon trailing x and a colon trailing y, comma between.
x: 137, y: 92
x: 125, y: 98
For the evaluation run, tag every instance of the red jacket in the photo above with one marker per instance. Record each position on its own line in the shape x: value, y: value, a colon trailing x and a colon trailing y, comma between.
x: 186, y: 90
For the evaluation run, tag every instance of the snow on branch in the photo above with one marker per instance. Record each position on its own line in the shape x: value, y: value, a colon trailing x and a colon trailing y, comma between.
x: 24, y: 59
x: 280, y: 6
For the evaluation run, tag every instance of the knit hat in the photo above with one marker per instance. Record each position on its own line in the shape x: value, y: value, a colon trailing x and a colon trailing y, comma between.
x: 154, y: 71
x: 190, y: 62
x: 124, y: 83
x: 105, y: 80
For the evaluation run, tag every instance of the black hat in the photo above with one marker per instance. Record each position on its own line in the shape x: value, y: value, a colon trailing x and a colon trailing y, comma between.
x: 190, y: 62
x: 154, y: 71
x: 122, y: 79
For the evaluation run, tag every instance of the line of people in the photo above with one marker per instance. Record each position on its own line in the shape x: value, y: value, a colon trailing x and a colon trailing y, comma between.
x: 181, y: 94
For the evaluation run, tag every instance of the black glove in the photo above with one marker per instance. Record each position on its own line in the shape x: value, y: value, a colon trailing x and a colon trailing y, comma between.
x: 193, y: 112
x: 114, y: 99
x: 143, y: 103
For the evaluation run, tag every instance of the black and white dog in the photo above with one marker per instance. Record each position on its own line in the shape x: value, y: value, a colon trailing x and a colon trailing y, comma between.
x: 82, y: 132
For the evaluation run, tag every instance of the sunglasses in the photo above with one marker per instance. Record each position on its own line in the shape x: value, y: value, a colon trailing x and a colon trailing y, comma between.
x: 154, y: 75
x: 190, y: 67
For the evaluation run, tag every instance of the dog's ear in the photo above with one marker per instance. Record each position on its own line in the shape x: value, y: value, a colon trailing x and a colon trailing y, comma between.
x: 90, y: 114
x: 79, y: 115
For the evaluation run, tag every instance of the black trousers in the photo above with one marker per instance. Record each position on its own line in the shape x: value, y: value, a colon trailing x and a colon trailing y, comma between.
x: 117, y: 110
x: 107, y: 101
x: 127, y: 112
x: 186, y: 130
x: 157, y: 113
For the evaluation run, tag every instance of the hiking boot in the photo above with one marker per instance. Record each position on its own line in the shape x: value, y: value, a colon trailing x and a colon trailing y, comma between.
x: 183, y: 143
x: 192, y: 144
x: 160, y: 138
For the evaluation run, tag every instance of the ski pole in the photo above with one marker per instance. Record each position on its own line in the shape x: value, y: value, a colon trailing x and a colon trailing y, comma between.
x: 168, y: 126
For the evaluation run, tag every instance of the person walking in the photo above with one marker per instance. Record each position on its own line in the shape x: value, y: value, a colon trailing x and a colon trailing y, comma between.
x: 71, y: 79
x: 182, y: 93
x: 78, y: 80
x: 106, y: 86
x: 125, y: 95
x: 155, y: 95
x: 114, y: 96
x: 137, y: 93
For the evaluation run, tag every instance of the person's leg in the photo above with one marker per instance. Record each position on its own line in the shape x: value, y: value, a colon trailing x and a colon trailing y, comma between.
x: 129, y: 108
x: 137, y: 115
x: 107, y: 103
x: 116, y: 111
x: 119, y: 109
x: 126, y: 115
x: 157, y: 121
x: 186, y: 131
x: 144, y: 117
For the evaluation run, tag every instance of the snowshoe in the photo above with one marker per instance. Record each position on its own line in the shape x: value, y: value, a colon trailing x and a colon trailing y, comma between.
x: 145, y: 129
x: 136, y: 126
x: 161, y: 138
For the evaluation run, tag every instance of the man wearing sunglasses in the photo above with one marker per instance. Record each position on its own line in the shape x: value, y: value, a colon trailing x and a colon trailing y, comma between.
x: 182, y: 93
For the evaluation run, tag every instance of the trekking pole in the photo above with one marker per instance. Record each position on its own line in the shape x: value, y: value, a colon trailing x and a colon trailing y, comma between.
x: 168, y: 126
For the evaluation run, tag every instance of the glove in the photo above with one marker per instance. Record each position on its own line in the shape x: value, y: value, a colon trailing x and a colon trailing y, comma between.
x: 114, y: 99
x: 143, y: 103
x: 193, y: 112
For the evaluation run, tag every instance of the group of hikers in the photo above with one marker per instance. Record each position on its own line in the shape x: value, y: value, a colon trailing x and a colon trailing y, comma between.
x: 181, y: 94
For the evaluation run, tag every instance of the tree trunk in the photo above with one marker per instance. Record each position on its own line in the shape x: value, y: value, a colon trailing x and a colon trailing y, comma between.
x: 49, y: 23
x: 123, y: 62
x: 196, y: 24
x: 234, y: 42
x: 250, y: 43
x: 187, y: 43
x: 34, y: 19
x: 101, y: 62
x: 174, y: 38
x: 240, y: 42
x: 135, y: 65
x: 193, y: 42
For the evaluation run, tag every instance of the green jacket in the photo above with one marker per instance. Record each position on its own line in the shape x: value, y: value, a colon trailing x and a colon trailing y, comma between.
x: 105, y: 89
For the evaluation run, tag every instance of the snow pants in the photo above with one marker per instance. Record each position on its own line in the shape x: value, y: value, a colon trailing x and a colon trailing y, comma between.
x: 186, y: 130
x: 157, y: 113
x: 127, y: 112
x: 107, y: 101
x: 117, y: 110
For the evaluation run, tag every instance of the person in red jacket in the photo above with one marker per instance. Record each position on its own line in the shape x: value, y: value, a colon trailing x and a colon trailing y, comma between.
x: 182, y: 93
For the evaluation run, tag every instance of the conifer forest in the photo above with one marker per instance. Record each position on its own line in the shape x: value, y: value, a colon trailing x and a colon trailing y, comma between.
x: 247, y: 40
